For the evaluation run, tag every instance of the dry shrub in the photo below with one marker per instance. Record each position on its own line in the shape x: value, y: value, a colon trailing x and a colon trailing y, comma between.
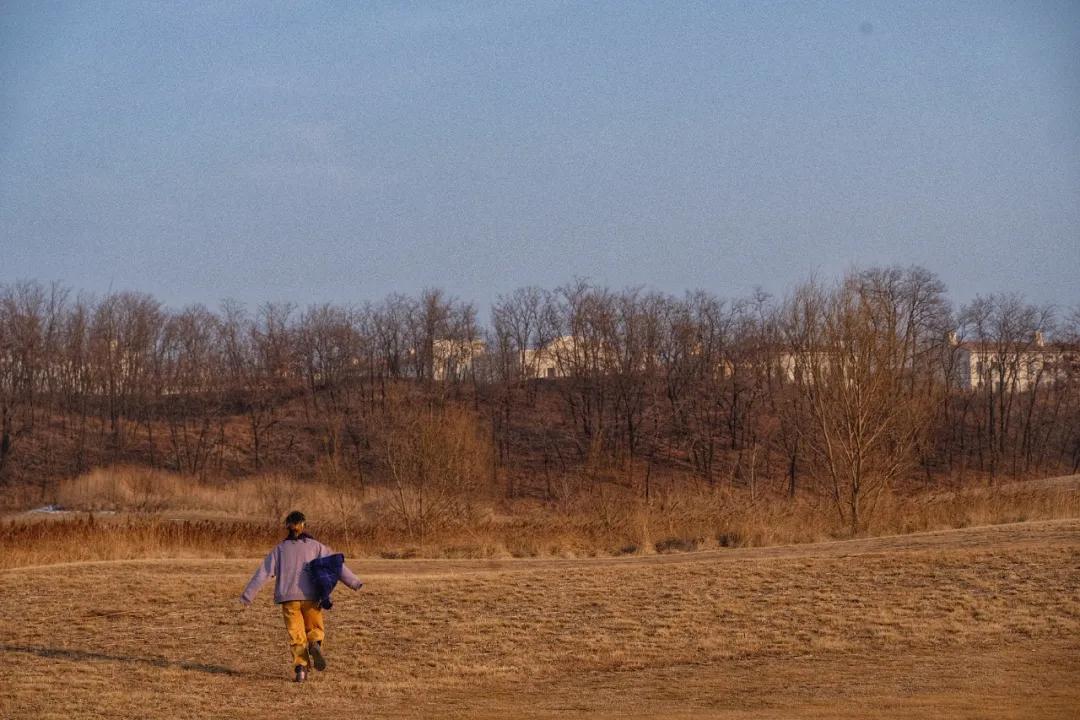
x: 75, y: 537
x: 438, y: 464
x: 90, y: 536
x: 691, y: 516
x: 598, y: 519
x: 268, y: 496
x: 735, y: 517
x: 980, y: 505
x: 122, y: 488
x: 14, y: 497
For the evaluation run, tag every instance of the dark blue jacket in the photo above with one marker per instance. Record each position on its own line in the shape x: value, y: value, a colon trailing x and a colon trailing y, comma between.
x: 325, y: 573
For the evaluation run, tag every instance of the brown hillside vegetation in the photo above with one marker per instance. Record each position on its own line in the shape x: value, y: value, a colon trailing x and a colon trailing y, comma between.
x: 976, y: 623
x: 841, y: 389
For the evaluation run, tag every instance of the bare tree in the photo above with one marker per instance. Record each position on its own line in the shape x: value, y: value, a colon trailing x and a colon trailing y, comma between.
x: 850, y: 368
x: 1004, y: 331
x: 257, y: 354
x: 193, y: 393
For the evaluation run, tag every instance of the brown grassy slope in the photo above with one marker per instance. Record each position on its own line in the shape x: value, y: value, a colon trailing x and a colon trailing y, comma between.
x: 983, y: 622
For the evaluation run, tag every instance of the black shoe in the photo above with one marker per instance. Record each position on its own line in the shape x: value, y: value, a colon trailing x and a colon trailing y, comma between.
x: 315, y: 651
x: 301, y: 673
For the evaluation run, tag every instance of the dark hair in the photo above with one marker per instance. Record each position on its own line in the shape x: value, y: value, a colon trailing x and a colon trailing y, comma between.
x: 292, y: 519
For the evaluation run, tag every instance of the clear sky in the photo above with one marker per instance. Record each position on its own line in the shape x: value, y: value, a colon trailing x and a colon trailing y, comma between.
x: 339, y: 151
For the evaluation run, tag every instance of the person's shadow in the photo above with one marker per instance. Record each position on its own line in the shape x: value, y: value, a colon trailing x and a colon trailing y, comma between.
x: 159, y: 662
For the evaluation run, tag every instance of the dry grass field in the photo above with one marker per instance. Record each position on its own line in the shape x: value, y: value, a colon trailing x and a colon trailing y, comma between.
x: 139, y: 514
x: 975, y: 623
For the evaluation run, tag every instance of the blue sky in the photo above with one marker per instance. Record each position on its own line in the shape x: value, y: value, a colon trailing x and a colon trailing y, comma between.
x: 342, y: 151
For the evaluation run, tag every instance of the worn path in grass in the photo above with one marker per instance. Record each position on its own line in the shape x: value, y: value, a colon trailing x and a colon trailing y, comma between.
x: 973, y: 623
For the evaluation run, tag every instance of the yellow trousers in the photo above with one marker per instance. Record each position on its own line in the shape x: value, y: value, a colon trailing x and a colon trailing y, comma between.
x: 304, y: 622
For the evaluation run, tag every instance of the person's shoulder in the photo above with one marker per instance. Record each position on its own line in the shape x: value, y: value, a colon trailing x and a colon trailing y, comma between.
x: 324, y: 550
x: 308, y: 544
x: 288, y: 547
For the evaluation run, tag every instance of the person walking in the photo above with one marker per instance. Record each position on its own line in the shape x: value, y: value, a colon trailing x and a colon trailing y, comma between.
x: 301, y: 593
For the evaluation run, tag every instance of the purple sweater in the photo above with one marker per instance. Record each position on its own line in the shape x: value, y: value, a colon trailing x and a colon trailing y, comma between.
x: 287, y: 562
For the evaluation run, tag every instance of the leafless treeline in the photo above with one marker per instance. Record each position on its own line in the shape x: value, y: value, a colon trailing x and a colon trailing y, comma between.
x: 849, y: 385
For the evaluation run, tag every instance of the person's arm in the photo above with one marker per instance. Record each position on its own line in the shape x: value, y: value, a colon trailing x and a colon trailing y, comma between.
x: 350, y: 579
x: 267, y: 570
x: 347, y: 577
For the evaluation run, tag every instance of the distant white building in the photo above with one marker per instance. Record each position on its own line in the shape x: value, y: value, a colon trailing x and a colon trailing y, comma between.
x: 568, y: 356
x: 803, y: 367
x: 553, y: 360
x: 455, y: 359
x: 1017, y: 366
